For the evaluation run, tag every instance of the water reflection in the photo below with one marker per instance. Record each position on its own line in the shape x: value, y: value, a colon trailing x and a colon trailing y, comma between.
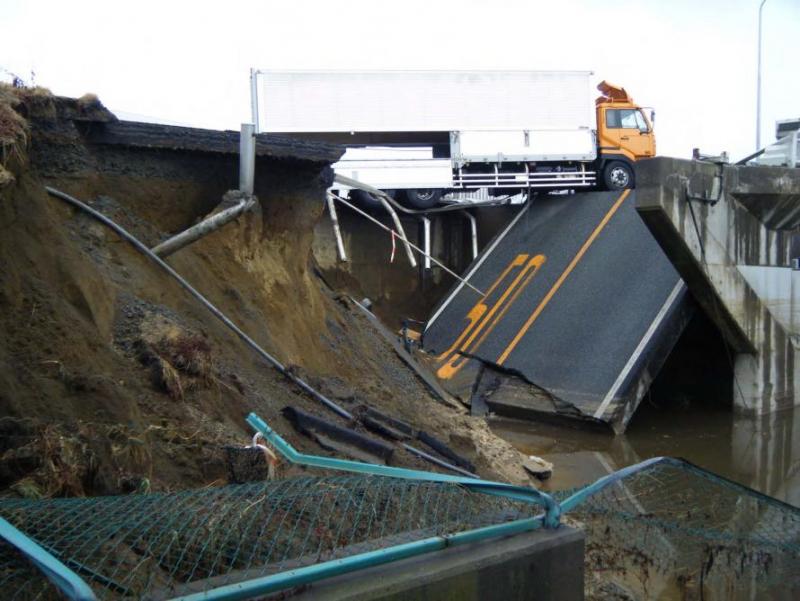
x: 762, y: 452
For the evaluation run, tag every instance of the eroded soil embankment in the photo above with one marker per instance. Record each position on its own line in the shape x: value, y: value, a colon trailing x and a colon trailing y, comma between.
x: 114, y: 379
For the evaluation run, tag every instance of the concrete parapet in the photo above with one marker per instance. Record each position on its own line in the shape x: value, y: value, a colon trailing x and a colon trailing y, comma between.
x: 542, y: 565
x: 772, y: 194
x: 728, y: 230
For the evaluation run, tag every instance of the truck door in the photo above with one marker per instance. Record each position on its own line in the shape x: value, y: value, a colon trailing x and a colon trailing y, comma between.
x: 627, y: 130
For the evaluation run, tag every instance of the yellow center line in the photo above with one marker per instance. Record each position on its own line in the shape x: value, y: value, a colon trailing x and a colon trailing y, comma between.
x: 536, y: 263
x: 478, y: 310
x: 456, y: 361
x: 562, y: 277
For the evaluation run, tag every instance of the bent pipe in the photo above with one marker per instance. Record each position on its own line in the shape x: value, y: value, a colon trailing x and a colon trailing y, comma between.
x: 437, y: 461
x: 203, y: 300
x: 354, y: 183
x: 381, y: 428
x: 206, y: 226
x: 550, y: 519
x: 402, y: 237
x: 445, y: 451
x: 141, y: 247
x: 399, y: 225
x: 67, y: 581
x: 395, y: 423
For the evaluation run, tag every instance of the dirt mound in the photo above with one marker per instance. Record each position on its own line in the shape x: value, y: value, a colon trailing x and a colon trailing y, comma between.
x: 113, y: 379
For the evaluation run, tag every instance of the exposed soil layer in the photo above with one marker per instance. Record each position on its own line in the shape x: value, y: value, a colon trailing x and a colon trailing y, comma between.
x: 113, y: 379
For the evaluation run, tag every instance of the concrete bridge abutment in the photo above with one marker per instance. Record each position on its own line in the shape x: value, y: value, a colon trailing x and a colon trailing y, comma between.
x: 731, y: 231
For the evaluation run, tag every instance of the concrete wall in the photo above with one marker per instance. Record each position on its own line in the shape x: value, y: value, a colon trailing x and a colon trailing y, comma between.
x: 542, y: 565
x: 728, y: 231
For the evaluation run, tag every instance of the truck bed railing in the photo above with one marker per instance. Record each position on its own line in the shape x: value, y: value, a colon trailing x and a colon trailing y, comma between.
x: 498, y: 179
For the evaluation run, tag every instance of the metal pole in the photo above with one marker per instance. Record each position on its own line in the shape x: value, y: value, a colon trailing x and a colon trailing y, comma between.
x: 247, y: 158
x: 205, y: 227
x: 400, y: 230
x: 473, y: 231
x: 758, y: 84
x: 405, y: 240
x: 139, y: 245
x: 426, y: 244
x: 336, y: 230
x: 254, y: 97
x: 67, y: 581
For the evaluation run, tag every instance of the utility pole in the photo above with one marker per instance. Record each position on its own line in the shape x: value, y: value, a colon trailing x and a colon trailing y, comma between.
x: 758, y: 84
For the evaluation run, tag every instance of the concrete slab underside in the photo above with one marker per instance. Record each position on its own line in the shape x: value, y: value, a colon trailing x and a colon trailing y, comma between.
x: 582, y: 306
x: 541, y: 565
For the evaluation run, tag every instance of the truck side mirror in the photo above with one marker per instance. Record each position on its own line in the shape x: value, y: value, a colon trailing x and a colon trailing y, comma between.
x: 652, y: 117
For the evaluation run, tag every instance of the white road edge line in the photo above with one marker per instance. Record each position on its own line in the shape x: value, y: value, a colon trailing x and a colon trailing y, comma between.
x: 477, y: 265
x: 638, y: 350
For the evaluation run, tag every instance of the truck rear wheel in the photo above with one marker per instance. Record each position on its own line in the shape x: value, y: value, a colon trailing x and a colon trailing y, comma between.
x: 365, y: 201
x: 617, y: 175
x: 423, y: 198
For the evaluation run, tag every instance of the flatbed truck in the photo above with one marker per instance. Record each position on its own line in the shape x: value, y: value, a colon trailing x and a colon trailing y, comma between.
x: 420, y: 135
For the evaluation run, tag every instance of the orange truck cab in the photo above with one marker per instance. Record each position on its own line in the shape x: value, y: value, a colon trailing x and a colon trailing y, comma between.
x: 624, y: 135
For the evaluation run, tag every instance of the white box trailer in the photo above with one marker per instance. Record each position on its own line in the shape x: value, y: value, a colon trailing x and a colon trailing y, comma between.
x: 440, y: 131
x: 408, y: 101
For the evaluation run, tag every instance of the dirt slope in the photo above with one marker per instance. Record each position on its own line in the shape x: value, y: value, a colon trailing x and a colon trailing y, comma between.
x: 113, y: 379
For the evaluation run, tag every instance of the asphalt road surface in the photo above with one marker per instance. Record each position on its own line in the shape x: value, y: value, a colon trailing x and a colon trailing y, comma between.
x: 579, y: 299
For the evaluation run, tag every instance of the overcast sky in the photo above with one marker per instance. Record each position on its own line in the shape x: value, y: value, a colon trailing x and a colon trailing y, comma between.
x: 188, y: 62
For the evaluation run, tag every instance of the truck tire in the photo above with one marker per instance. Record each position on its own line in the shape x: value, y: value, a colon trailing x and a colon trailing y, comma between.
x: 617, y: 175
x: 422, y: 198
x: 365, y: 201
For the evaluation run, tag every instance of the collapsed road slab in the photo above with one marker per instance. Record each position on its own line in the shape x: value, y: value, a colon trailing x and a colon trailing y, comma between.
x: 581, y: 308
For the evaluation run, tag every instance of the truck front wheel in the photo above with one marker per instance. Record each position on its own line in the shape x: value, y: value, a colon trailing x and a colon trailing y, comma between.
x: 423, y: 198
x: 617, y: 175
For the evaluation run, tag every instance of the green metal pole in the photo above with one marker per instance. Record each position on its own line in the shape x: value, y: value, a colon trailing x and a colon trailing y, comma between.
x: 500, y: 489
x: 67, y: 581
x: 270, y: 584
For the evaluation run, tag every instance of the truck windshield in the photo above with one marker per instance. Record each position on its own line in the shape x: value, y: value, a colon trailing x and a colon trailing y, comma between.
x: 626, y: 119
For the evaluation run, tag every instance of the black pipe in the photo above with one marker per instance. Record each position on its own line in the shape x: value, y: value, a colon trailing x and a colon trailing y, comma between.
x: 311, y: 424
x: 141, y: 247
x: 203, y: 300
x: 445, y: 451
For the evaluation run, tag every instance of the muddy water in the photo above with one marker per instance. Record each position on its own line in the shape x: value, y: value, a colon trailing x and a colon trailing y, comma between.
x: 761, y: 452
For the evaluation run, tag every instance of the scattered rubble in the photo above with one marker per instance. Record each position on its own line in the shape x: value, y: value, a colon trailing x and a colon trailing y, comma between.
x: 538, y: 467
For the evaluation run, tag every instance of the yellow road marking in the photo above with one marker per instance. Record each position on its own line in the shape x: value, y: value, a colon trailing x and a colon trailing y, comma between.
x: 480, y: 307
x: 536, y: 262
x: 504, y: 355
x: 457, y: 360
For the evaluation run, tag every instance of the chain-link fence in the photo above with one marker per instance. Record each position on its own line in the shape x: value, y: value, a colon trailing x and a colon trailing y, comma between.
x: 673, y: 530
x: 663, y: 529
x: 159, y: 546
